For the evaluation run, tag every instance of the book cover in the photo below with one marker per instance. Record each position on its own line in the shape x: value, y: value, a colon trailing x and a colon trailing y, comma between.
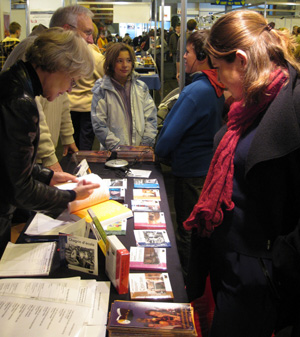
x: 142, y: 318
x: 145, y: 205
x: 150, y: 286
x: 122, y: 183
x: 146, y: 194
x: 152, y: 238
x: 145, y: 183
x: 148, y: 258
x: 149, y: 220
x: 117, y: 264
x: 116, y: 228
x: 117, y: 193
x: 79, y: 253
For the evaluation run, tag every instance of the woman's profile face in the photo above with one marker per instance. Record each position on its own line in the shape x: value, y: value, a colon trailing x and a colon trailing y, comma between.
x: 55, y: 84
x: 123, y: 67
x: 231, y: 75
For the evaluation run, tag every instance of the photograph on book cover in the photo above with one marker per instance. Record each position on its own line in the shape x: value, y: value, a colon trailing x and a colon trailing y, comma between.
x: 149, y: 220
x: 146, y: 194
x: 164, y: 316
x: 145, y: 183
x: 152, y: 238
x: 79, y: 253
x: 150, y: 286
x: 114, y: 182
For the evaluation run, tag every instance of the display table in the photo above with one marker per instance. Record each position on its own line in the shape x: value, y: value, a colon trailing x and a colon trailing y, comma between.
x: 152, y: 81
x: 173, y: 264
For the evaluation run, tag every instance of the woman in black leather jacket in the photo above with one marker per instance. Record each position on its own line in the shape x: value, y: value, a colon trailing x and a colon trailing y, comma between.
x: 55, y: 60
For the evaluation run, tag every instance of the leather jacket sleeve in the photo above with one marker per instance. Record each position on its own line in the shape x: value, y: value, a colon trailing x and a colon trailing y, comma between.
x: 23, y: 183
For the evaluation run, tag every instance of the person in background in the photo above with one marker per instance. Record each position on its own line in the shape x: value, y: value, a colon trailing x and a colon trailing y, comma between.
x: 191, y: 26
x: 123, y: 112
x: 54, y: 61
x: 127, y: 39
x: 249, y: 205
x: 8, y: 44
x: 173, y: 46
x: 102, y: 41
x: 79, y: 18
x: 186, y: 138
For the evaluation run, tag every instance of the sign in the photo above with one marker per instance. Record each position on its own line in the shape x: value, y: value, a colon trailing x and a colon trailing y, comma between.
x: 230, y: 3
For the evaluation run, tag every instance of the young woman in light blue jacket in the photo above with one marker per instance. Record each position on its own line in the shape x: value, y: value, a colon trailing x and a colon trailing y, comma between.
x: 123, y: 112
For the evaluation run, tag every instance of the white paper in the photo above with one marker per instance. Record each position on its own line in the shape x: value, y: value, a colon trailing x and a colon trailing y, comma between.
x: 53, y: 307
x: 42, y: 224
x: 27, y: 259
x: 139, y: 173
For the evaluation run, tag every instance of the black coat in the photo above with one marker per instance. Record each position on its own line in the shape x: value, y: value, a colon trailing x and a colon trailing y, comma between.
x: 23, y: 184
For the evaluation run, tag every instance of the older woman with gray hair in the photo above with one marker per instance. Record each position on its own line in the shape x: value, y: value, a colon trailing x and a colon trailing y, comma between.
x: 55, y: 60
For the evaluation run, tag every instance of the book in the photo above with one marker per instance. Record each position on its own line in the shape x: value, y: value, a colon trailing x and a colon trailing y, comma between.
x: 130, y: 153
x: 117, y: 193
x: 108, y: 211
x: 145, y: 183
x: 116, y: 228
x: 133, y: 318
x: 98, y: 231
x: 30, y: 259
x: 149, y: 220
x: 146, y: 194
x: 151, y: 238
x: 148, y: 258
x: 150, y: 286
x: 79, y: 253
x: 117, y: 264
x: 145, y: 205
x: 116, y: 182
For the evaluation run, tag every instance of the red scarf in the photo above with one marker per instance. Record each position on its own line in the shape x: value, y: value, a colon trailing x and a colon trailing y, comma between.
x: 217, y: 190
x: 212, y: 75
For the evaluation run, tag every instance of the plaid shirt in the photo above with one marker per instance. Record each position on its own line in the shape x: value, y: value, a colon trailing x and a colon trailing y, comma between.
x: 6, y: 47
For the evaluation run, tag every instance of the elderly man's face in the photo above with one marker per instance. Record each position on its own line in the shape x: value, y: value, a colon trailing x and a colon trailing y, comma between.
x: 85, y: 28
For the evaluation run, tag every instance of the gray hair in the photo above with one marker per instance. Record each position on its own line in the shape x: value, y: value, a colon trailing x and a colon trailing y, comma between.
x: 61, y: 50
x: 69, y: 15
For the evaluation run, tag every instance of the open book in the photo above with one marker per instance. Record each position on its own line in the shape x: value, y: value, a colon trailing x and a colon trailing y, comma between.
x: 107, y: 211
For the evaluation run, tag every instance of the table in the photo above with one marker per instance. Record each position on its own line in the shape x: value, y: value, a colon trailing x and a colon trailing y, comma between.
x: 152, y: 81
x: 173, y: 263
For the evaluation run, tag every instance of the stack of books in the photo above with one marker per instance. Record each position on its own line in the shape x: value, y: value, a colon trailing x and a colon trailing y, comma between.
x: 131, y: 318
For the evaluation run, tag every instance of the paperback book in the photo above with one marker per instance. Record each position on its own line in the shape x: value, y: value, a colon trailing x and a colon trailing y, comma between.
x: 116, y: 228
x: 149, y: 220
x: 145, y: 183
x: 145, y: 205
x: 146, y: 194
x: 137, y: 318
x: 122, y: 183
x: 117, y: 194
x: 117, y: 264
x: 150, y: 286
x: 152, y: 238
x: 148, y: 258
x: 79, y: 253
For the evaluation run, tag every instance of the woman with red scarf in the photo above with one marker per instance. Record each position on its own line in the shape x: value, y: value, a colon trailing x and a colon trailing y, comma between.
x: 249, y: 206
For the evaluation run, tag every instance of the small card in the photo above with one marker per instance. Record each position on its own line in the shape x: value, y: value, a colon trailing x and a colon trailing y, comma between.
x: 138, y: 173
x: 152, y: 238
x: 145, y: 183
x: 149, y: 220
x: 145, y: 205
x: 146, y: 194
